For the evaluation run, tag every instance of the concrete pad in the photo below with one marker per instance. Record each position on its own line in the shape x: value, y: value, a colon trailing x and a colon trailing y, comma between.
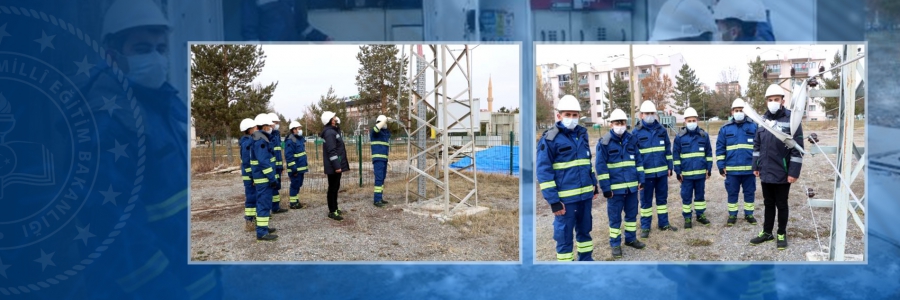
x: 434, y: 208
x: 823, y: 256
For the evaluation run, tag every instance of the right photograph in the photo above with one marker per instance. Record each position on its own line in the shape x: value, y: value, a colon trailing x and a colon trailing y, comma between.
x: 687, y: 152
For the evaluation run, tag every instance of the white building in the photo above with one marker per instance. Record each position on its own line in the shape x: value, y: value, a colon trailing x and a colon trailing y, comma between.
x: 804, y: 61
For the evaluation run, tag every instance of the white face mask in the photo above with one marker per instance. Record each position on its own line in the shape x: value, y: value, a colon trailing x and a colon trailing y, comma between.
x: 739, y: 116
x: 773, y: 106
x: 619, y: 130
x: 649, y: 119
x: 570, y: 123
x: 269, y: 131
x: 148, y: 70
x: 691, y: 126
x: 276, y: 126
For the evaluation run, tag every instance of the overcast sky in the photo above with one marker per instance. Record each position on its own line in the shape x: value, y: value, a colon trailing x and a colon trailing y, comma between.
x: 707, y: 60
x: 304, y: 73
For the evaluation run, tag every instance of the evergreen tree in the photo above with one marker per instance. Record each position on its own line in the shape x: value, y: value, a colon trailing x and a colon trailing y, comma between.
x: 619, y: 95
x: 756, y: 86
x: 688, y: 92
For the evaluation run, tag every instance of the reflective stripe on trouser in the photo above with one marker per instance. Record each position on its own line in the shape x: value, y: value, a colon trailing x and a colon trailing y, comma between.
x: 692, y: 191
x: 249, y: 200
x: 263, y: 209
x: 733, y: 184
x: 276, y: 193
x: 659, y: 187
x: 627, y: 202
x: 380, y: 168
x: 578, y: 219
x: 294, y: 188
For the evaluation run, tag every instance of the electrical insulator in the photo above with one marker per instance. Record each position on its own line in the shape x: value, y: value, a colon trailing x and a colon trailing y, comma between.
x: 810, y: 193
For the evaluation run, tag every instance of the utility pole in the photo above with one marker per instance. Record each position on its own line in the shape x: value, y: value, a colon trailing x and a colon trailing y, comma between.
x: 634, y: 85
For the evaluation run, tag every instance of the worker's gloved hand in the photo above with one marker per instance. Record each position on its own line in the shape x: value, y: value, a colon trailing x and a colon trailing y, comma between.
x: 640, y: 186
x: 295, y: 174
x: 708, y: 173
x: 272, y: 184
x: 607, y: 194
x: 679, y: 177
x: 722, y: 172
x: 558, y: 206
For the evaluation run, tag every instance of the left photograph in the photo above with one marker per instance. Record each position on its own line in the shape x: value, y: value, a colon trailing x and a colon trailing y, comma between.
x: 354, y: 152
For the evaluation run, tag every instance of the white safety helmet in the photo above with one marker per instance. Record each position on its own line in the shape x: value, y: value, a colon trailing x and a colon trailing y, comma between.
x: 326, y: 117
x: 648, y: 107
x: 568, y: 103
x: 617, y: 114
x: 380, y: 119
x: 263, y: 119
x: 690, y: 112
x: 738, y: 103
x: 247, y: 124
x: 746, y: 11
x: 274, y: 117
x: 294, y: 124
x: 774, y: 90
x: 125, y: 14
x: 682, y: 19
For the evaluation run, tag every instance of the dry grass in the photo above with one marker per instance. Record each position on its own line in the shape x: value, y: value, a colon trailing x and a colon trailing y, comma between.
x: 694, y: 242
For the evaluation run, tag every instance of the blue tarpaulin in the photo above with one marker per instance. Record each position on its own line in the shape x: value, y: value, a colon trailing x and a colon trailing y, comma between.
x: 493, y: 160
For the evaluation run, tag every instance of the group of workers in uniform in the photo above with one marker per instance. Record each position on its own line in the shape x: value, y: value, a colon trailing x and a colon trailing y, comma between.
x: 262, y: 166
x: 727, y: 20
x: 637, y: 164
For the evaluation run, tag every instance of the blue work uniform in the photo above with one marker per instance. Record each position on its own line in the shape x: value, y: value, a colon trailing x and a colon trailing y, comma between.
x: 567, y: 179
x: 295, y: 155
x: 249, y: 191
x: 277, y: 20
x: 734, y: 155
x: 380, y: 140
x: 263, y: 178
x: 620, y: 170
x: 656, y: 152
x: 693, y: 161
x: 278, y: 164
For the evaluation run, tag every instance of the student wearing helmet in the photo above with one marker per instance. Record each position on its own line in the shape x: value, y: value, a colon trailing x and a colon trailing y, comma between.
x: 380, y: 138
x: 692, y: 154
x: 278, y: 162
x: 776, y: 166
x: 335, y: 160
x: 683, y: 20
x: 734, y: 159
x: 263, y: 172
x: 656, y: 152
x: 248, y: 126
x: 295, y: 155
x: 739, y: 20
x: 278, y: 20
x: 620, y: 171
x: 567, y: 181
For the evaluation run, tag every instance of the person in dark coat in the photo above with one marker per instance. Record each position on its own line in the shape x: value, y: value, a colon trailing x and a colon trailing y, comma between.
x: 335, y: 160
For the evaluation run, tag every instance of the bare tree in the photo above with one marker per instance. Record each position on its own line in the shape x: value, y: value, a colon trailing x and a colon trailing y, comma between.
x: 729, y: 74
x: 657, y: 89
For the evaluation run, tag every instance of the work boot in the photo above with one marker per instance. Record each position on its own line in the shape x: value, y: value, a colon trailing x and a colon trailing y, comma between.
x: 687, y: 223
x: 335, y: 216
x: 782, y: 242
x: 702, y: 219
x: 249, y: 225
x: 731, y: 221
x: 339, y: 211
x: 272, y: 230
x: 268, y: 237
x: 617, y: 252
x: 385, y: 202
x: 750, y: 219
x: 645, y: 233
x: 279, y: 210
x: 762, y: 238
x: 636, y: 244
x: 669, y: 228
x: 379, y: 204
x: 296, y: 205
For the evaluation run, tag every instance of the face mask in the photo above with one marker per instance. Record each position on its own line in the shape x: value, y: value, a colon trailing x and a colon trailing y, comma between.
x: 269, y: 131
x: 691, y: 126
x: 773, y: 106
x: 276, y: 126
x: 619, y: 130
x: 300, y: 132
x: 338, y: 120
x: 739, y: 116
x: 148, y: 70
x: 649, y: 119
x: 570, y: 123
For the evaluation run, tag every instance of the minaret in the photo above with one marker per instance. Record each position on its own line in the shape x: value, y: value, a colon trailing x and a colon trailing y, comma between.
x: 490, y: 96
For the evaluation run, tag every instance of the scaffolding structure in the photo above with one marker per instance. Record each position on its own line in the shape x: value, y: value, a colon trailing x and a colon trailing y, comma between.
x: 430, y: 161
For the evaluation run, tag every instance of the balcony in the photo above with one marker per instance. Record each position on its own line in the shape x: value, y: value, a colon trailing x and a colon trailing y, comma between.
x: 583, y: 81
x: 584, y: 95
x: 774, y: 72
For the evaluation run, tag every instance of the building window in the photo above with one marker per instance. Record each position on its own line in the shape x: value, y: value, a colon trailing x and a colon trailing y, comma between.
x: 596, y: 76
x: 599, y: 102
x: 599, y: 114
x: 596, y: 89
x: 623, y: 74
x: 774, y: 68
x: 645, y: 71
x: 601, y: 33
x: 812, y: 108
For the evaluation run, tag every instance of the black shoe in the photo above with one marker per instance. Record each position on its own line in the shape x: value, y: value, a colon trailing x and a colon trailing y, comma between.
x: 668, y: 227
x: 380, y: 204
x: 272, y: 230
x: 687, y: 223
x: 335, y: 216
x: 702, y: 219
x: 268, y: 237
x: 762, y: 238
x: 781, y: 243
x: 340, y: 212
x: 645, y: 233
x: 750, y: 219
x: 636, y: 244
x: 617, y: 252
x: 385, y: 202
x: 296, y: 205
x: 731, y: 221
x: 280, y: 210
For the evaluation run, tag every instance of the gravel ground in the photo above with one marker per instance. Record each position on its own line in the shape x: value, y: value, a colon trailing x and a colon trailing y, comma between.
x: 367, y: 233
x: 717, y: 242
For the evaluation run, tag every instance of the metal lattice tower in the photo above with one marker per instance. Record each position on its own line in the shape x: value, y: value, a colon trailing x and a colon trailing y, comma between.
x: 432, y: 162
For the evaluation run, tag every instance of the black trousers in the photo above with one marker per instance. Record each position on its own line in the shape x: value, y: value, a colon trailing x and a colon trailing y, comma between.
x: 334, y: 184
x: 775, y: 196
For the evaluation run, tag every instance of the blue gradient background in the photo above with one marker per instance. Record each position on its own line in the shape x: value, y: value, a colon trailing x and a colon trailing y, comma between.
x: 138, y: 248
